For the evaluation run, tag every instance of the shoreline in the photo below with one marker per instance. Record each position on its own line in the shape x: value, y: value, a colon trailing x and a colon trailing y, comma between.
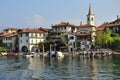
x: 116, y: 54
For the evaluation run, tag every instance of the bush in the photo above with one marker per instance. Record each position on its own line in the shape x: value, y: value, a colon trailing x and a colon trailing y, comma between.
x: 4, y: 47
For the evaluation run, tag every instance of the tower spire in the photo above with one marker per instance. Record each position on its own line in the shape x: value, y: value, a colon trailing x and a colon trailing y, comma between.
x: 90, y: 10
x: 90, y: 16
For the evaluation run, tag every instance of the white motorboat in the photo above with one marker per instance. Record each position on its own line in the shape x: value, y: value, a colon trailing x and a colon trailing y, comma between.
x: 59, y: 54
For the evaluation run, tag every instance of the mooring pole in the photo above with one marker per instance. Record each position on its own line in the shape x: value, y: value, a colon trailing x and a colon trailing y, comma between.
x: 43, y: 53
x: 50, y: 54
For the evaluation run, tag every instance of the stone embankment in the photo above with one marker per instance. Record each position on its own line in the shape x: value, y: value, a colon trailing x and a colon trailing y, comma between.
x: 116, y: 53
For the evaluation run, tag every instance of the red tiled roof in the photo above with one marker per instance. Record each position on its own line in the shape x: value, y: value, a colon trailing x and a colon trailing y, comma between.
x: 80, y: 35
x: 85, y: 26
x: 101, y: 27
x: 31, y: 31
x: 45, y: 29
x: 10, y: 29
x: 8, y: 34
x: 64, y: 24
x: 112, y: 25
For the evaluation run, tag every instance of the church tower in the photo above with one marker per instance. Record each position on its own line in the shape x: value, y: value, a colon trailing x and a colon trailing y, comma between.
x: 90, y: 17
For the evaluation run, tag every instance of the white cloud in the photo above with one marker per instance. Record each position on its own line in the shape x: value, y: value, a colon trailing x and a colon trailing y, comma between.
x: 35, y: 20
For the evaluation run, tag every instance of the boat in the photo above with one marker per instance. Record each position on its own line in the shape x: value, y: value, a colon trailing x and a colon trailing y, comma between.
x: 12, y: 53
x: 32, y: 54
x: 4, y: 53
x: 59, y: 54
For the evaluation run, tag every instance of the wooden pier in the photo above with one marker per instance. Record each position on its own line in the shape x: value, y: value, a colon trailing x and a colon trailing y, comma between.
x: 93, y: 54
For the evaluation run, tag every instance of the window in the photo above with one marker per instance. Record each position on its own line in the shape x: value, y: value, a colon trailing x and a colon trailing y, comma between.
x: 39, y: 34
x: 55, y: 29
x: 31, y: 34
x: 35, y: 34
x: 32, y: 41
x: 71, y: 37
x: 20, y: 35
x: 27, y: 41
x: 92, y: 19
x: 21, y: 41
x: 26, y: 34
x: 40, y: 41
x: 36, y: 41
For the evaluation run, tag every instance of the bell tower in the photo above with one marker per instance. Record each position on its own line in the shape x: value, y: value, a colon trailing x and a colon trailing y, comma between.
x: 90, y: 17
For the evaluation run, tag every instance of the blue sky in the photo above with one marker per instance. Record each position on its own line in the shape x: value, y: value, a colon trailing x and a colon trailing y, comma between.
x: 43, y: 13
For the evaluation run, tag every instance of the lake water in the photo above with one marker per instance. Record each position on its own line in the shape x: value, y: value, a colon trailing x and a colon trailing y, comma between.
x: 79, y: 68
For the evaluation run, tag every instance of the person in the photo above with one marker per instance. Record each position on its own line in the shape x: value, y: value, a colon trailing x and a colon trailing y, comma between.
x: 53, y: 53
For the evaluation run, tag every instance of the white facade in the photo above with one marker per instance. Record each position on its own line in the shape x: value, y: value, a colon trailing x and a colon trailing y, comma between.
x: 29, y: 40
x: 90, y: 19
x: 64, y: 27
x: 85, y: 36
x: 71, y: 42
x: 10, y: 30
x: 9, y: 38
x: 10, y: 41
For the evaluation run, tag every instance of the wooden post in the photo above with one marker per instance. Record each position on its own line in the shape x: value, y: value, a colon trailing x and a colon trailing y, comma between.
x: 43, y: 53
x: 83, y: 54
x: 50, y: 54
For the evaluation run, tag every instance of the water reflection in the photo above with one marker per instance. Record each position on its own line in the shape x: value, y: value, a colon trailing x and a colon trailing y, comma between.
x: 68, y: 68
x: 94, y: 72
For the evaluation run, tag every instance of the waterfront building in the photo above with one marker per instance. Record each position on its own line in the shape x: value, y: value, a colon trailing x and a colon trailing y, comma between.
x: 9, y: 38
x: 10, y: 30
x: 85, y: 36
x: 101, y: 28
x: 29, y: 38
x: 78, y: 36
x: 62, y: 28
x: 71, y: 42
x: 114, y: 26
x: 23, y: 39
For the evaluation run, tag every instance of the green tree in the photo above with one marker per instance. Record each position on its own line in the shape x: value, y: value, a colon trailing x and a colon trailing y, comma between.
x: 104, y: 39
x: 4, y: 48
x: 116, y: 43
x: 64, y: 39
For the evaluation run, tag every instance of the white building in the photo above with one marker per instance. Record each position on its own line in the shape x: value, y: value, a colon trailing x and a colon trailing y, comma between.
x: 9, y: 30
x: 66, y: 29
x: 9, y: 38
x: 71, y: 42
x: 29, y: 38
x: 23, y: 39
x: 62, y: 28
x: 85, y: 36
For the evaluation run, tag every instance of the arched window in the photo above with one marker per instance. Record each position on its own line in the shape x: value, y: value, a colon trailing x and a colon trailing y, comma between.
x: 92, y: 19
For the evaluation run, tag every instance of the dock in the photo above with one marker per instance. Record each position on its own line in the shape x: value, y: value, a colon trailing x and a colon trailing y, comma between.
x: 98, y: 53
